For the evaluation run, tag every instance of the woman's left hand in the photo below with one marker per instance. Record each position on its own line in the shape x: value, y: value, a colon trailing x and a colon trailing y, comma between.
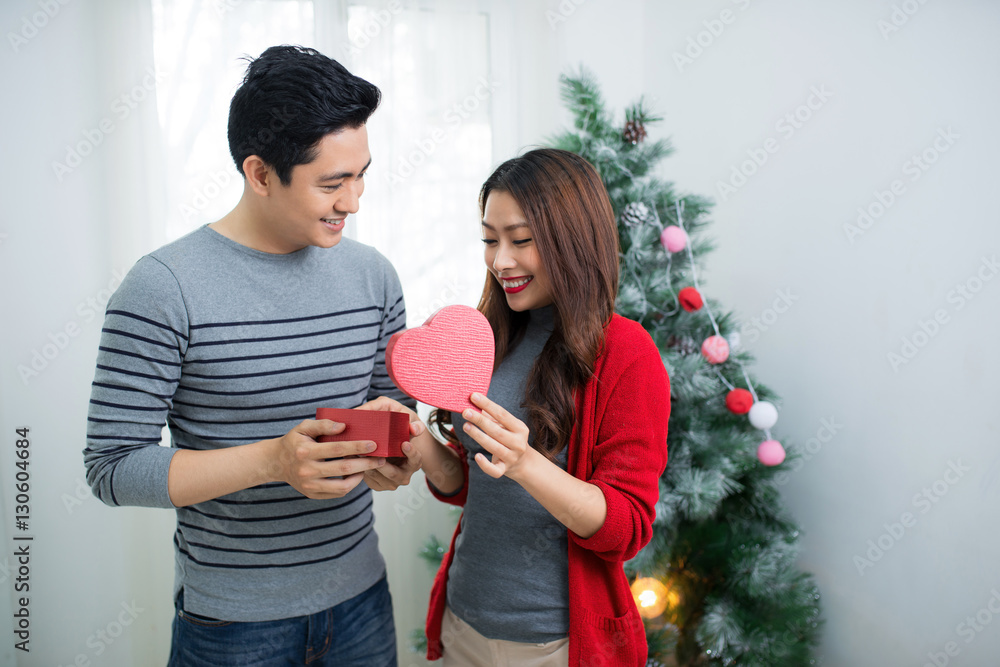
x: 501, y: 434
x: 577, y: 504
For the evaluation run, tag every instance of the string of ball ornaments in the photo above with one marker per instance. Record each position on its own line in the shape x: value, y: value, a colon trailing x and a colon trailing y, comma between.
x: 762, y: 415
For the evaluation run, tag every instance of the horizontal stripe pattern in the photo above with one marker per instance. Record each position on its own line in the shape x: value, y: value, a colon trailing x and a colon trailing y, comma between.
x: 233, y: 355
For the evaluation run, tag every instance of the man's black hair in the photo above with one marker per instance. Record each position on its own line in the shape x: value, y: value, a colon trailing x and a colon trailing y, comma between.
x: 290, y: 98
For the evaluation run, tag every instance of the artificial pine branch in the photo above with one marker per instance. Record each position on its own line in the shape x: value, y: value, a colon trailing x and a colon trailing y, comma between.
x: 582, y: 95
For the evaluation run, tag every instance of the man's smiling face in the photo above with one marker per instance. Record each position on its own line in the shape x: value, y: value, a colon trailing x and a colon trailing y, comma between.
x: 312, y: 208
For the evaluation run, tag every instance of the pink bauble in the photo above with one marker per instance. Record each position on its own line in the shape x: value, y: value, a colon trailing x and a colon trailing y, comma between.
x: 674, y: 239
x: 770, y: 452
x: 715, y: 349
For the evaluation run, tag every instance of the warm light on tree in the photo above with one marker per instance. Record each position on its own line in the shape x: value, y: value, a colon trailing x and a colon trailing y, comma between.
x: 651, y: 596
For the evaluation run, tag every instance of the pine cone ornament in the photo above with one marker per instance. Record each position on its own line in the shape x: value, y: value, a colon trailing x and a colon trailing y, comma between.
x: 634, y: 132
x: 635, y: 214
x: 683, y: 345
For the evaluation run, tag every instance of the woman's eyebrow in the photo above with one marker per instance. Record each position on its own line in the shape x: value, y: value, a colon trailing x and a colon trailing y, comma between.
x: 516, y: 225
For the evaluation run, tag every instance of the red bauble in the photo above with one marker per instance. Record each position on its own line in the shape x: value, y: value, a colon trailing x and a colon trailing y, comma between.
x: 690, y: 299
x: 739, y: 401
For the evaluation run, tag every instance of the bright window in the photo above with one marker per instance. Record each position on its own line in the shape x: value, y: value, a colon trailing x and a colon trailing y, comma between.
x: 198, y: 45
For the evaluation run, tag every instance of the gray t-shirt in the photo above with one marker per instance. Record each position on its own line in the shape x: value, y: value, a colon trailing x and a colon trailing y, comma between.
x: 509, y: 578
x: 228, y: 345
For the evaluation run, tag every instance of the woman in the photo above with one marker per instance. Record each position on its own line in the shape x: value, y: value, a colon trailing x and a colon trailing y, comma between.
x: 558, y: 474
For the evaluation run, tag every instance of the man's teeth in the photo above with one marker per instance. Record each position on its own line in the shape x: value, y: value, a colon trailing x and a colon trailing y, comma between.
x: 516, y: 283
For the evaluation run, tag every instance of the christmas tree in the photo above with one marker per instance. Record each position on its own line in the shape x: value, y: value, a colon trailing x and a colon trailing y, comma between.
x: 718, y: 583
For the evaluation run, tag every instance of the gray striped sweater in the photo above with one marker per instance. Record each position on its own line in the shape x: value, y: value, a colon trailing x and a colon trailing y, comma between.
x: 228, y: 345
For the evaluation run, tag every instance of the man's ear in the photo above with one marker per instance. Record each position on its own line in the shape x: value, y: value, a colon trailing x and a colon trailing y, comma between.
x: 260, y: 177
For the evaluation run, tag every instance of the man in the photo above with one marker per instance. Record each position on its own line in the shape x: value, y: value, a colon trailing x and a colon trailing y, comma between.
x: 234, y: 335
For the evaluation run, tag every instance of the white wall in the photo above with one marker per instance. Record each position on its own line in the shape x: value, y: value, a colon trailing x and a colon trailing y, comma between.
x: 57, y: 261
x: 895, y: 431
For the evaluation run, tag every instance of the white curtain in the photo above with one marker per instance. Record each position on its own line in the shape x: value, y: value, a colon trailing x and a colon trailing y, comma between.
x: 431, y: 145
x: 203, y: 45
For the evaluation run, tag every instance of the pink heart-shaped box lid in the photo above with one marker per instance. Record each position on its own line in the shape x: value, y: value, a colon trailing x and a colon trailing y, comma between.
x: 442, y: 362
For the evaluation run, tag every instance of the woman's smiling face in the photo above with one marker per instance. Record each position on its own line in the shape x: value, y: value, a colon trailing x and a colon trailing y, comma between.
x: 511, y: 254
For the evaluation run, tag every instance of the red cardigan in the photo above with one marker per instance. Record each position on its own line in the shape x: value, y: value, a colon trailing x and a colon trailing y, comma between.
x: 619, y: 443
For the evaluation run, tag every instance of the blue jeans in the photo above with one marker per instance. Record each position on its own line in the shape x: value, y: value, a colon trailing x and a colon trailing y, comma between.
x: 357, y: 633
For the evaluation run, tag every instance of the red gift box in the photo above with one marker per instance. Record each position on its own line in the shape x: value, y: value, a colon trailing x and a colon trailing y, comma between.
x: 388, y: 430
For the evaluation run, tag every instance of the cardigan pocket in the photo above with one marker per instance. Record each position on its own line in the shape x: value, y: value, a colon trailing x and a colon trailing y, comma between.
x: 612, y: 639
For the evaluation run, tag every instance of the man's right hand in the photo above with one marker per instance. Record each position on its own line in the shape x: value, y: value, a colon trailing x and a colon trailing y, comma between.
x: 302, y: 462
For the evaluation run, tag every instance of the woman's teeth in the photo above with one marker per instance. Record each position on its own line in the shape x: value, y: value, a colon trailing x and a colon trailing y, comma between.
x: 516, y: 283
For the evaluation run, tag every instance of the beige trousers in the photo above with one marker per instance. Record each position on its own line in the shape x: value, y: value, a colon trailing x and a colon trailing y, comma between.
x: 464, y: 647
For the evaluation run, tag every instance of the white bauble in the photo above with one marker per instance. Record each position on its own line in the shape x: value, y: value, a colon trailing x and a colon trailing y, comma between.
x: 763, y: 415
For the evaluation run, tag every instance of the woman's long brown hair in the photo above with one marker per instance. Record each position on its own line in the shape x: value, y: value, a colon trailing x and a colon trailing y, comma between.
x: 573, y: 226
